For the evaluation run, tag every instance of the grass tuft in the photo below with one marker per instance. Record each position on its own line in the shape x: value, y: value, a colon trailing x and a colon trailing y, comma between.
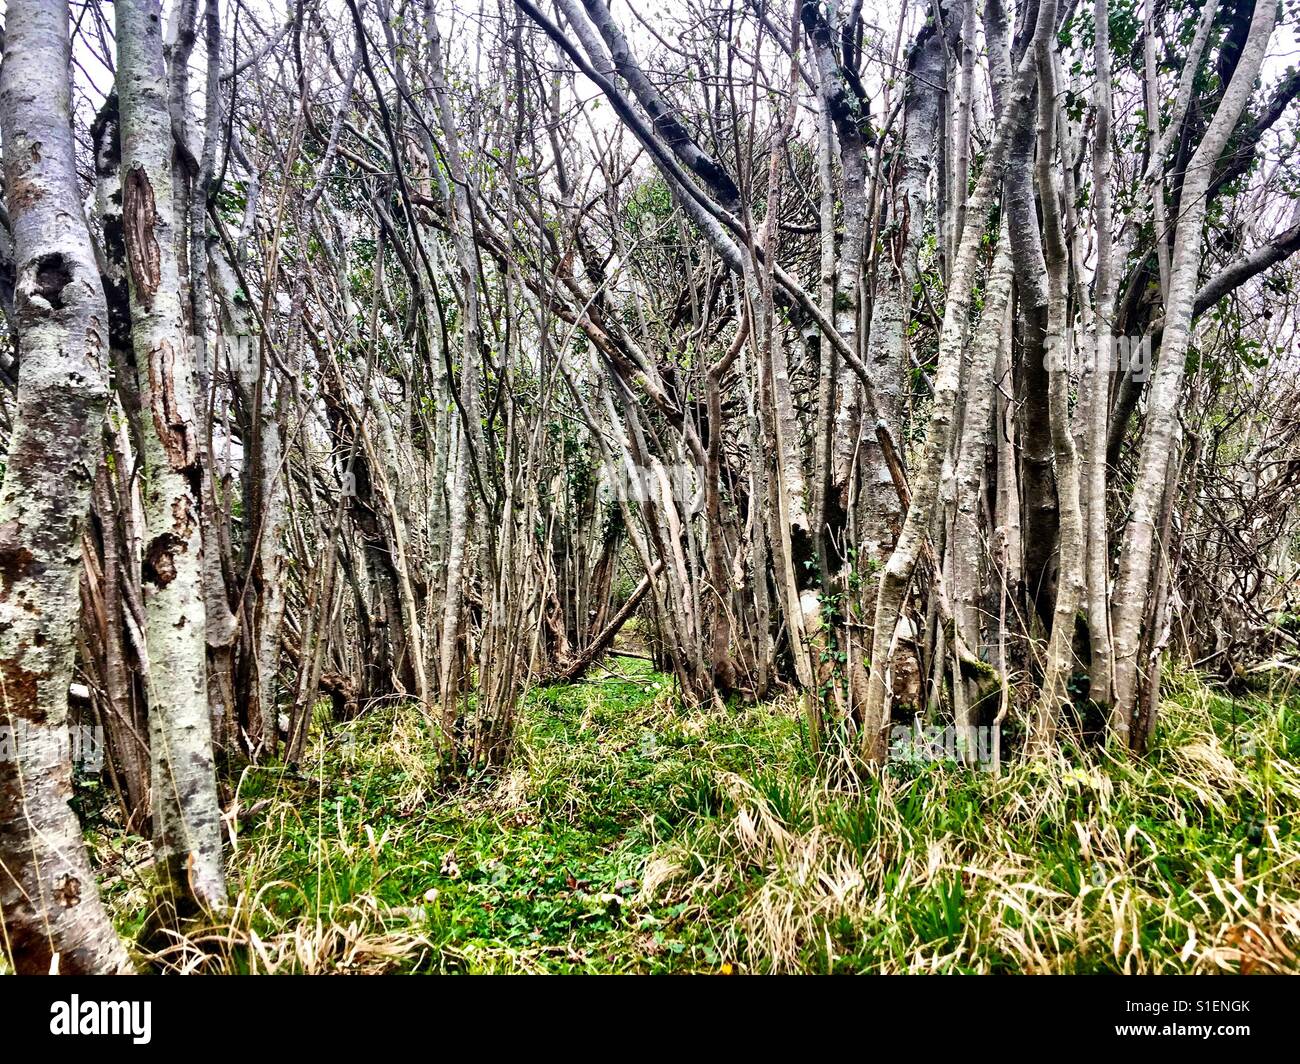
x: 631, y: 834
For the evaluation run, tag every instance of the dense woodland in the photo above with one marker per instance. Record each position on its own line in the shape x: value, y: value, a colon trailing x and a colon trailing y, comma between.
x: 377, y: 365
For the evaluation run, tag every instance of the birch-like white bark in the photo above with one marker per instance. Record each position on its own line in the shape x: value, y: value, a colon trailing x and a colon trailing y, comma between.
x: 1130, y: 599
x: 1060, y: 657
x: 966, y: 551
x: 898, y: 571
x: 51, y: 917
x: 187, y: 818
x: 1097, y: 376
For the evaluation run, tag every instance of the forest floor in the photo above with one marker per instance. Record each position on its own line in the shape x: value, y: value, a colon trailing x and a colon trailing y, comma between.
x: 633, y: 835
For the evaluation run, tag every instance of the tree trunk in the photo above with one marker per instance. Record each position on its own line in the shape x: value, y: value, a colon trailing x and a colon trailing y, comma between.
x: 51, y: 917
x: 1097, y: 380
x: 1054, y: 692
x: 1131, y: 599
x: 898, y: 571
x: 187, y: 818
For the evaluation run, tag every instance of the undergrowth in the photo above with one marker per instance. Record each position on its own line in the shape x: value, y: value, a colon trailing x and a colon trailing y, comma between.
x: 630, y: 834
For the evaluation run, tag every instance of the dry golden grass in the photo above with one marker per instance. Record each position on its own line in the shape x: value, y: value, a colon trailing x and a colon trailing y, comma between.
x: 631, y: 834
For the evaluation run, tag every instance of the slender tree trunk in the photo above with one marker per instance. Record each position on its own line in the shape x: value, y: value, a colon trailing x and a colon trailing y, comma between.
x: 1130, y: 603
x: 51, y: 917
x: 1060, y: 651
x: 897, y: 574
x: 187, y: 818
x: 461, y: 518
x: 1097, y: 377
x: 967, y: 550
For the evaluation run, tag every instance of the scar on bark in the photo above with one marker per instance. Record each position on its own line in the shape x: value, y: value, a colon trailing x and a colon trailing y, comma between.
x: 21, y: 191
x: 50, y: 276
x: 139, y: 217
x: 22, y: 690
x: 171, y: 418
x: 159, y: 567
x: 16, y: 561
x: 69, y: 891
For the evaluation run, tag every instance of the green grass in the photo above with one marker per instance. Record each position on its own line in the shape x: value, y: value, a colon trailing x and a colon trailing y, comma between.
x: 633, y: 835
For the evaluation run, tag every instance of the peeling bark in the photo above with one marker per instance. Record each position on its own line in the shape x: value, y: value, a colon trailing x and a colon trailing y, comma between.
x: 187, y: 825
